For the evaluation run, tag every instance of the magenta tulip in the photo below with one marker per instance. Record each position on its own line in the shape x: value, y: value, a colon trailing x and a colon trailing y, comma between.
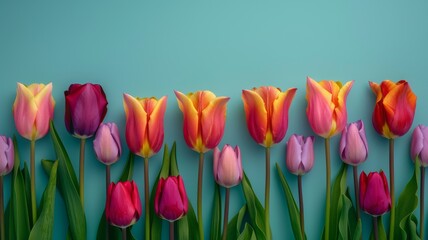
x: 300, y: 154
x: 171, y: 201
x: 85, y: 109
x: 227, y: 166
x: 353, y: 144
x: 374, y: 193
x: 123, y: 206
x: 107, y: 143
x: 7, y: 156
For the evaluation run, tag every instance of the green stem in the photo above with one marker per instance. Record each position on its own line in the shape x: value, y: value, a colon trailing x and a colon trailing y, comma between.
x: 391, y: 188
x: 422, y: 208
x: 267, y: 193
x: 171, y: 230
x: 123, y: 233
x: 226, y: 213
x: 328, y: 189
x: 200, y: 172
x: 2, y: 233
x: 33, y: 181
x: 82, y: 171
x: 356, y: 190
x: 146, y: 196
x: 302, y: 211
x: 107, y: 185
x: 375, y: 228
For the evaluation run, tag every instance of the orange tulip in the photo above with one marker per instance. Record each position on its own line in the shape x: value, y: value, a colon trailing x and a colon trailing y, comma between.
x: 144, y: 124
x: 204, y: 119
x: 266, y: 112
x: 395, y: 108
x: 326, y: 109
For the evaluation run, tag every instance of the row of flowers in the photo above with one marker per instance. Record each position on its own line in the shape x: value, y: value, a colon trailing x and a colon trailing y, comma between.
x: 204, y: 118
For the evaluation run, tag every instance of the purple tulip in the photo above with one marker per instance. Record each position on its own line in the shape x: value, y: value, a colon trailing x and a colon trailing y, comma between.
x: 419, y: 145
x: 300, y: 154
x: 107, y: 143
x: 7, y: 156
x: 374, y: 193
x: 171, y: 201
x: 353, y: 144
x: 227, y: 166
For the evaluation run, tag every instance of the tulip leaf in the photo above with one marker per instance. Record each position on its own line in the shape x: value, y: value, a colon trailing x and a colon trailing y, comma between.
x: 294, y: 212
x: 173, y: 162
x: 215, y: 229
x: 187, y: 227
x: 68, y: 188
x: 338, y: 190
x: 164, y: 172
x: 247, y: 233
x: 343, y: 217
x: 128, y: 170
x: 27, y: 183
x: 43, y: 228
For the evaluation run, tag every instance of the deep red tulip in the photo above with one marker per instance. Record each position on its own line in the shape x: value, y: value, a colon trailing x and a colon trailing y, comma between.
x: 374, y: 193
x: 171, y: 199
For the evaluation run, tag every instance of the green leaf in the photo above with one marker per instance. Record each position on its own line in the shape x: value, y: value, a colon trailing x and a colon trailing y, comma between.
x: 68, y: 187
x: 247, y: 233
x: 187, y: 227
x: 43, y: 228
x: 215, y: 233
x: 173, y: 162
x: 128, y: 170
x: 343, y: 217
x: 27, y: 183
x: 339, y: 189
x: 164, y: 172
x: 294, y: 212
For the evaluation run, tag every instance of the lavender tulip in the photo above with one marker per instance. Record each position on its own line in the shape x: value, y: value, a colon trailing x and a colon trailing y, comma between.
x: 107, y: 143
x: 6, y: 155
x: 419, y: 145
x: 353, y: 144
x: 227, y: 166
x: 300, y: 154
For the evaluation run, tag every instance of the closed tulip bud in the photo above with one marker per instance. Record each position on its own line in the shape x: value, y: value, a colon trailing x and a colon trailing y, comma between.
x: 353, y: 144
x: 395, y: 108
x: 227, y: 166
x: 171, y: 201
x: 419, y: 145
x: 266, y: 112
x: 33, y: 110
x: 374, y: 193
x: 85, y: 109
x: 123, y: 206
x: 326, y: 110
x: 7, y: 155
x: 300, y: 154
x: 107, y: 143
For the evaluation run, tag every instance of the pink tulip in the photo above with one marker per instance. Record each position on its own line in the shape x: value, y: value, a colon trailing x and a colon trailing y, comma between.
x: 123, y: 206
x: 227, y: 166
x: 374, y: 193
x: 7, y: 155
x: 171, y: 201
x: 419, y: 145
x: 33, y: 110
x: 353, y: 144
x: 107, y: 143
x: 266, y: 112
x: 300, y: 154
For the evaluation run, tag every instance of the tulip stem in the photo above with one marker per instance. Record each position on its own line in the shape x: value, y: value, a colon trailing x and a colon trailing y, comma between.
x: 200, y: 171
x: 327, y: 201
x: 33, y: 181
x: 171, y: 230
x: 107, y: 185
x: 422, y: 208
x: 2, y: 234
x: 123, y: 233
x: 267, y: 192
x: 375, y: 230
x: 146, y: 196
x: 302, y: 211
x: 226, y: 213
x: 82, y: 171
x: 391, y: 188
x: 356, y: 190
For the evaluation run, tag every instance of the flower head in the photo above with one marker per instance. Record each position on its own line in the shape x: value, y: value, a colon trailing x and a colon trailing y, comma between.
x: 7, y: 155
x: 419, y: 145
x: 171, y: 201
x: 353, y: 144
x: 374, y: 193
x: 227, y: 166
x: 107, y: 143
x: 300, y: 154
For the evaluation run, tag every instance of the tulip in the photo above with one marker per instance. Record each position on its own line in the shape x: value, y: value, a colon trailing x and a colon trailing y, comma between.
x: 7, y: 156
x: 374, y: 193
x: 300, y: 154
x: 123, y: 206
x: 266, y: 112
x: 33, y: 110
x: 204, y: 119
x: 107, y: 143
x: 353, y: 144
x: 171, y: 199
x: 85, y: 109
x: 227, y: 166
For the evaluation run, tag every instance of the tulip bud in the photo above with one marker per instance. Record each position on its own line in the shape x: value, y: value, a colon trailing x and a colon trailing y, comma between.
x: 419, y: 145
x: 353, y: 144
x: 227, y: 166
x: 7, y: 156
x: 85, y: 109
x: 107, y: 143
x: 300, y: 154
x: 123, y: 206
x: 171, y: 199
x: 374, y: 193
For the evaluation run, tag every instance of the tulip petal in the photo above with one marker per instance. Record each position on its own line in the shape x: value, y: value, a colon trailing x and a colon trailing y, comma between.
x: 280, y: 114
x: 183, y: 194
x: 228, y: 168
x: 190, y: 120
x: 363, y: 188
x: 45, y: 109
x: 340, y: 113
x: 308, y: 154
x: 213, y: 120
x: 294, y: 154
x: 121, y: 207
x: 24, y: 111
x: 417, y: 142
x: 256, y: 115
x: 136, y: 123
x: 156, y: 125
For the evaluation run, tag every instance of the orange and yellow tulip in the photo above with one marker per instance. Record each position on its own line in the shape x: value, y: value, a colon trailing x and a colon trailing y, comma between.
x: 144, y: 124
x: 266, y: 112
x: 326, y: 110
x: 204, y: 119
x: 33, y: 109
x: 395, y: 108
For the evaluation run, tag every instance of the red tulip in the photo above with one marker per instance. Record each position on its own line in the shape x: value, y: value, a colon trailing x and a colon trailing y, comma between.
x: 171, y: 201
x: 374, y: 193
x: 123, y: 206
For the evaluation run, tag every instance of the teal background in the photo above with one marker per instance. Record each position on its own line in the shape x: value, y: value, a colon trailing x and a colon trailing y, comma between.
x: 148, y: 48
